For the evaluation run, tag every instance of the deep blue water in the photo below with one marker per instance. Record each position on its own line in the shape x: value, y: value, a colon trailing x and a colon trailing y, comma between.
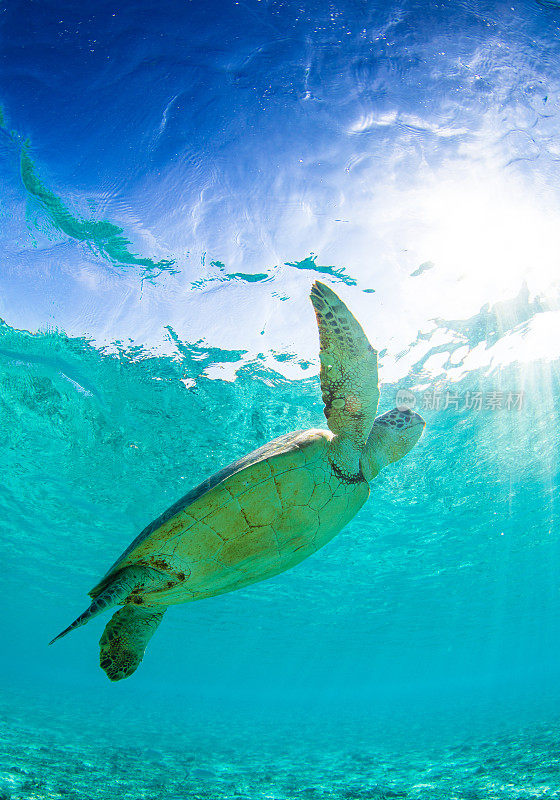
x: 173, y: 177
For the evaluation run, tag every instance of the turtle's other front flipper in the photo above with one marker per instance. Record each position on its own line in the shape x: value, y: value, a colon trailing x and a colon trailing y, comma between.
x: 125, y: 637
x: 349, y: 381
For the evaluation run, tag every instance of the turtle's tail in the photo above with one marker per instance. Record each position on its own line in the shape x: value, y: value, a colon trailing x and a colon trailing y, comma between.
x: 114, y: 594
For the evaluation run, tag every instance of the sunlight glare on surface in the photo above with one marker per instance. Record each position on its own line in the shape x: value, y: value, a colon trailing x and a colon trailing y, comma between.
x: 490, y: 236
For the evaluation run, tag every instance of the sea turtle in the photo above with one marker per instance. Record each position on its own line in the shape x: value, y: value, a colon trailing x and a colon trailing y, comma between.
x: 264, y: 513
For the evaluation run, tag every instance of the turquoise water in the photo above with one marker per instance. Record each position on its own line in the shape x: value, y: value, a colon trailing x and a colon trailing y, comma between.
x: 108, y: 754
x: 173, y: 179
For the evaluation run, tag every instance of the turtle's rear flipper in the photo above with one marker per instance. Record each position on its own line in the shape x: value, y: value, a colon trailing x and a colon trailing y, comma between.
x: 125, y: 638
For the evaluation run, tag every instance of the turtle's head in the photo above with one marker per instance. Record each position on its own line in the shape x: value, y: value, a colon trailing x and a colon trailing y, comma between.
x: 392, y: 436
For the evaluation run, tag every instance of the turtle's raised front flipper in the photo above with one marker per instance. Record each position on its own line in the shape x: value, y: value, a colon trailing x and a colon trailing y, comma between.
x: 125, y: 637
x: 349, y: 380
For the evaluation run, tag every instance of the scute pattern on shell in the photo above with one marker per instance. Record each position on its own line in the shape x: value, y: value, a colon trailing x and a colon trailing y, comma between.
x: 256, y: 523
x: 172, y: 520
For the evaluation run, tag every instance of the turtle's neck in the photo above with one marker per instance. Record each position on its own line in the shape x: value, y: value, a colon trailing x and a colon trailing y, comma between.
x: 345, y: 459
x: 375, y: 454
